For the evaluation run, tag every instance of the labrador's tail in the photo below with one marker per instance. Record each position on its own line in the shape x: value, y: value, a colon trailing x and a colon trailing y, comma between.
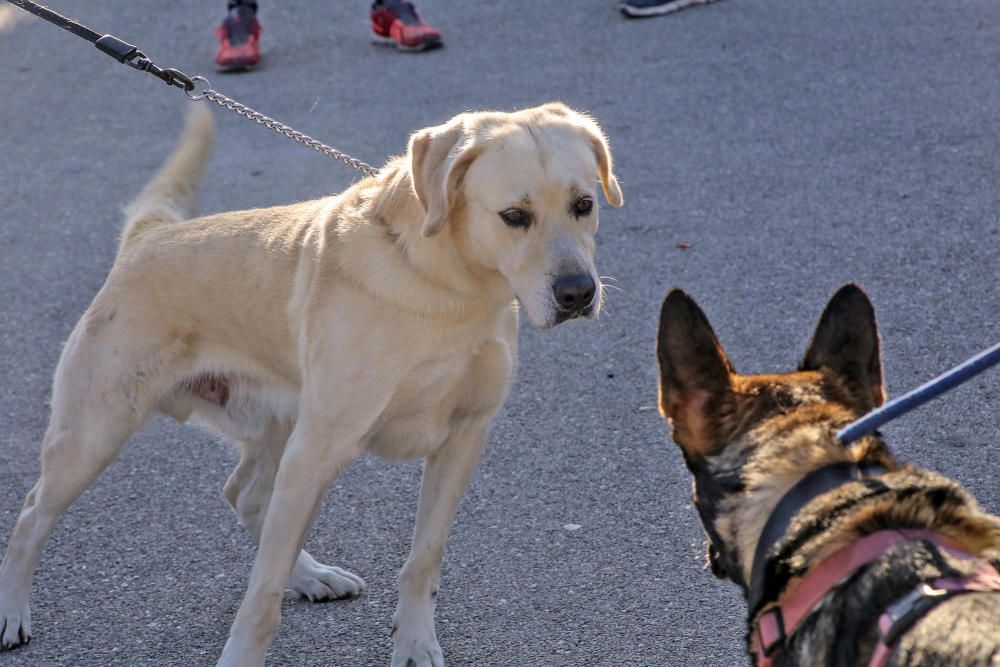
x: 172, y: 194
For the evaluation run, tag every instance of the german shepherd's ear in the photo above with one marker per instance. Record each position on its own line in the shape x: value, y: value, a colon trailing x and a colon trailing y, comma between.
x: 695, y: 383
x: 846, y: 343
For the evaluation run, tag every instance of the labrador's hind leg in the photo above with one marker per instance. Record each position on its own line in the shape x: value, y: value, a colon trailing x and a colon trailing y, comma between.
x: 100, y: 396
x: 249, y: 490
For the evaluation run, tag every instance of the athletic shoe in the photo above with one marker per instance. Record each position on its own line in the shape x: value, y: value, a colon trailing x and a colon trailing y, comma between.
x: 239, y: 41
x: 644, y: 8
x: 396, y: 22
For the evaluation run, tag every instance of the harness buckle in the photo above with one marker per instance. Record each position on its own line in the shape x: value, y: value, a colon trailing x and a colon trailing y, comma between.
x: 770, y: 630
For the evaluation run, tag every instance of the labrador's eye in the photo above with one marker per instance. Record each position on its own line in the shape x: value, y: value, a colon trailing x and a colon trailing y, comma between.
x: 516, y: 217
x: 583, y: 206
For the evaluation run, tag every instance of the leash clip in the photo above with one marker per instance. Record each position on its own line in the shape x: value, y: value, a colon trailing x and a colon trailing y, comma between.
x: 175, y: 77
x: 169, y: 75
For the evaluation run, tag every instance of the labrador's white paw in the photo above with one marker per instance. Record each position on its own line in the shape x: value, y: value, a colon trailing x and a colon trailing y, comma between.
x: 317, y: 582
x: 417, y: 652
x: 415, y: 642
x: 15, y: 626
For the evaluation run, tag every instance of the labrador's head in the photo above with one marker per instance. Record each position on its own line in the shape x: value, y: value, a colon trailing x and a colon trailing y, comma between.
x: 521, y: 191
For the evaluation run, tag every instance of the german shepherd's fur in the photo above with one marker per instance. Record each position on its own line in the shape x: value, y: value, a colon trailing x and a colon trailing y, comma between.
x: 747, y: 439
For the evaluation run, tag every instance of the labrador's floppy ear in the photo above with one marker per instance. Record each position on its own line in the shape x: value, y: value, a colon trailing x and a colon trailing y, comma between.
x: 846, y: 343
x: 605, y: 168
x: 439, y: 157
x: 605, y: 165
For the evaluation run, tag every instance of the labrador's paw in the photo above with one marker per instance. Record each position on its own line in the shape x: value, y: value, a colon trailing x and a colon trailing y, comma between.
x: 417, y: 652
x: 15, y: 627
x: 415, y: 642
x: 318, y: 583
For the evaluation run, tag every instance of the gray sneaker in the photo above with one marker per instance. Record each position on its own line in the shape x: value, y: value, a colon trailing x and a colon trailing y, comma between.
x: 636, y: 9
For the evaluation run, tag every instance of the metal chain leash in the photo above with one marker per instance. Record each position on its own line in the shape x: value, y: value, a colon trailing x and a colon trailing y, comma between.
x: 280, y: 128
x: 130, y: 55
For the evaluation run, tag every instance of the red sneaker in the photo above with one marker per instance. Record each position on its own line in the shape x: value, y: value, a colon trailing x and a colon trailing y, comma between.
x: 239, y: 41
x: 396, y: 22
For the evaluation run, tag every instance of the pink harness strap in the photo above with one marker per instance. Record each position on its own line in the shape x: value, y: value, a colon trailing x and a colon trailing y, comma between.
x: 780, y: 619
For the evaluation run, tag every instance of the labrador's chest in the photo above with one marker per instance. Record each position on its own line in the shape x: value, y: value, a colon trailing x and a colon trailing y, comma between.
x: 440, y: 393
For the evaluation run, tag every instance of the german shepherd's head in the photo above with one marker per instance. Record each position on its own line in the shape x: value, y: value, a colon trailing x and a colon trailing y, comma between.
x: 747, y: 439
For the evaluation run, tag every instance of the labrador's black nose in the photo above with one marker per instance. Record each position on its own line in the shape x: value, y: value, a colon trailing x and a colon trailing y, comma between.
x: 574, y: 292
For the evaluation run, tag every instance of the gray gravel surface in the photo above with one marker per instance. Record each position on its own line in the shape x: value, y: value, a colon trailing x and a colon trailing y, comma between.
x: 793, y: 145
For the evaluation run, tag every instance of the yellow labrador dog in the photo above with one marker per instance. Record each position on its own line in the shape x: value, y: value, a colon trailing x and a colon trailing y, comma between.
x: 380, y: 319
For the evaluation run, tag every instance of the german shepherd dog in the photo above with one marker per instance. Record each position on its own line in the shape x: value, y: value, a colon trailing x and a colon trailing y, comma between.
x: 846, y: 556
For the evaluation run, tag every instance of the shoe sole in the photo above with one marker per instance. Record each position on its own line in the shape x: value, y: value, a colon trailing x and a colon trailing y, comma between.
x: 423, y: 46
x: 661, y: 10
x: 235, y: 68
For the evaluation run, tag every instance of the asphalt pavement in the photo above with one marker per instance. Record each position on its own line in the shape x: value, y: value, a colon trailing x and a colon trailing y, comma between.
x: 768, y: 151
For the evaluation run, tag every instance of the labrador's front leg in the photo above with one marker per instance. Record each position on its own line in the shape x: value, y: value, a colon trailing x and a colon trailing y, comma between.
x: 446, y: 475
x: 310, y: 462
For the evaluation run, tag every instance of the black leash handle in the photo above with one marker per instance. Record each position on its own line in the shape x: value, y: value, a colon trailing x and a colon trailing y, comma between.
x: 120, y: 50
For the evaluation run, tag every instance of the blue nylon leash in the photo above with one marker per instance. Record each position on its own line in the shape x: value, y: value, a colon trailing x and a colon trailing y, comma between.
x: 917, y: 397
